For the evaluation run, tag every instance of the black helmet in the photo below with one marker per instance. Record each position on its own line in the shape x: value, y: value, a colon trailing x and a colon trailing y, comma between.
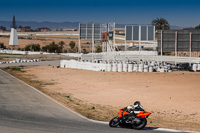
x: 137, y: 103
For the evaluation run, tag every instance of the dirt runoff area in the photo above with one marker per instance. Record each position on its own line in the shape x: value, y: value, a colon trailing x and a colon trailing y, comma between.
x: 173, y: 98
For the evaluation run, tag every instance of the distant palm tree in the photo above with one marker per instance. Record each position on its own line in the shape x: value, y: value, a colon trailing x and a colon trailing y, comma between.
x: 161, y: 24
x: 197, y: 27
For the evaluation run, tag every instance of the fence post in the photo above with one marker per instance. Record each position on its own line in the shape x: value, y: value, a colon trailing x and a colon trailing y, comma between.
x: 176, y: 34
x: 190, y: 46
x: 161, y: 46
x: 79, y: 42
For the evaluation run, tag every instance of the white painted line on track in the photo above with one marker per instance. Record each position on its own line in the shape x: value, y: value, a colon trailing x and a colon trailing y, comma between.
x: 174, y: 131
x: 95, y: 121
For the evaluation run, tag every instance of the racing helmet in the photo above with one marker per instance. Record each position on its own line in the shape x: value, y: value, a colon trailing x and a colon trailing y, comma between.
x: 137, y: 103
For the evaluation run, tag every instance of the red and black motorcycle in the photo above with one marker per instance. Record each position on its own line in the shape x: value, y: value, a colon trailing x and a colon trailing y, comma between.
x: 136, y: 119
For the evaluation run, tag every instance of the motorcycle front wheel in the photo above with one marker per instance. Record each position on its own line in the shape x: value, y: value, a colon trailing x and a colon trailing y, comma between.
x: 140, y: 125
x: 114, y: 122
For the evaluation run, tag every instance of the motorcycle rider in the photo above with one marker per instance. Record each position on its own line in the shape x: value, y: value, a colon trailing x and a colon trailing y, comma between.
x: 133, y: 110
x: 135, y: 107
x: 136, y: 119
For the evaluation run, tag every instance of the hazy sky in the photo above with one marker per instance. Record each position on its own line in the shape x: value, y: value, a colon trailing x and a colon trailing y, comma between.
x: 177, y: 12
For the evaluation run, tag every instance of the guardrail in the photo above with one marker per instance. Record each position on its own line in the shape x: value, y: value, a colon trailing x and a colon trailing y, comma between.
x: 72, y: 54
x: 128, y: 57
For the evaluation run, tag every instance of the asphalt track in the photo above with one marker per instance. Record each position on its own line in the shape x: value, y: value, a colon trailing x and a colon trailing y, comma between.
x: 25, y: 110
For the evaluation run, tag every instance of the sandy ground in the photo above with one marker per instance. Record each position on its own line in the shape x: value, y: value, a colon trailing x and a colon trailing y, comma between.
x: 173, y: 98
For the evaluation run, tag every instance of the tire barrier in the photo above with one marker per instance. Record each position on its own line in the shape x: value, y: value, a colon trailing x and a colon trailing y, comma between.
x: 19, y: 61
x: 196, y: 67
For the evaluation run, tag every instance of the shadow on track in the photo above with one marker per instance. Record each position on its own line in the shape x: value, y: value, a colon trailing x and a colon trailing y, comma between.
x: 145, y: 128
x: 150, y: 128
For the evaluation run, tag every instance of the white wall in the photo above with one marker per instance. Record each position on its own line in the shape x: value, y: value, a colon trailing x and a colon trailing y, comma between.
x: 82, y: 65
x: 22, y: 52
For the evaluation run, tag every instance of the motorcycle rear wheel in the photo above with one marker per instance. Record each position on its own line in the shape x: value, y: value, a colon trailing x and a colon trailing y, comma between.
x: 141, y: 125
x: 114, y: 122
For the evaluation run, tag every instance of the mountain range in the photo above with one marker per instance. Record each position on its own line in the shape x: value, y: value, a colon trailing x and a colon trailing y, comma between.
x: 57, y: 25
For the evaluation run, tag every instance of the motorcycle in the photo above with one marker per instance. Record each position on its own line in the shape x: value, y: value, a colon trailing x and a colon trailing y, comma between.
x: 136, y: 120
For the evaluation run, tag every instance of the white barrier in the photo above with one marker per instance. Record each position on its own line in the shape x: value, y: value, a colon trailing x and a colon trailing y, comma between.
x: 108, y: 67
x: 198, y: 67
x: 130, y: 67
x: 84, y: 65
x: 12, y: 52
x: 194, y: 67
x: 114, y: 67
x: 22, y: 52
x: 141, y: 68
x: 71, y: 54
x: 118, y: 67
x: 146, y: 68
x: 125, y: 67
x: 150, y: 68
